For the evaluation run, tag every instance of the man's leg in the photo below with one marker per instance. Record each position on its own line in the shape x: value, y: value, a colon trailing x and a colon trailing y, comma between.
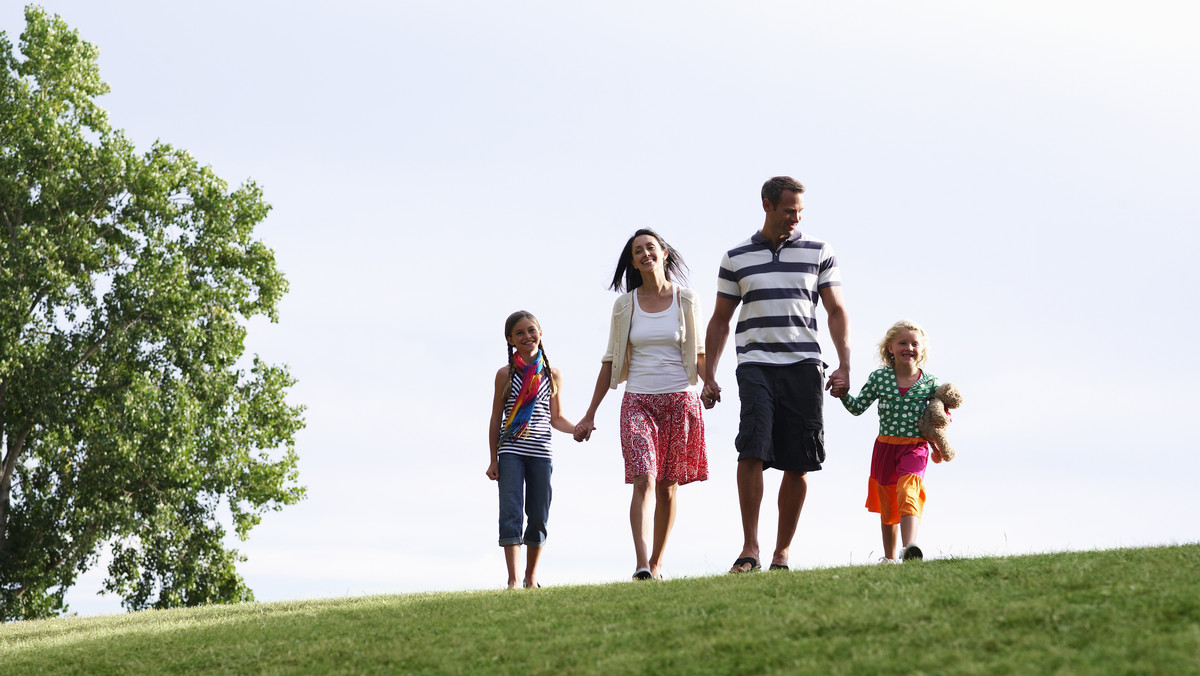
x: 799, y: 405
x: 750, y: 492
x: 792, y: 491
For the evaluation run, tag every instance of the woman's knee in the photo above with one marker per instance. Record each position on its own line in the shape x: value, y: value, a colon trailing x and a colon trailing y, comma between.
x: 643, y: 483
x: 666, y: 490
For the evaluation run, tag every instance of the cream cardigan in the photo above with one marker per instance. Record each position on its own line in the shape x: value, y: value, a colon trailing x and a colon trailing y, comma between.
x: 618, y: 336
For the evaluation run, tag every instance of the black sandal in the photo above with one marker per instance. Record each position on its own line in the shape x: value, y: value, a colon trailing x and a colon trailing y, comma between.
x: 746, y: 559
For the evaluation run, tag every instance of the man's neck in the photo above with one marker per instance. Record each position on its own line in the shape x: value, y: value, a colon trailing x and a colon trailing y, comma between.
x: 773, y: 241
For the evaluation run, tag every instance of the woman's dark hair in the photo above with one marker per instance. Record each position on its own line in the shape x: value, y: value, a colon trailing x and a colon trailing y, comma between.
x: 628, y: 277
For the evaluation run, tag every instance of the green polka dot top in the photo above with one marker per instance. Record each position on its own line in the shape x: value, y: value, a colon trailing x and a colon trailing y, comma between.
x: 897, y: 414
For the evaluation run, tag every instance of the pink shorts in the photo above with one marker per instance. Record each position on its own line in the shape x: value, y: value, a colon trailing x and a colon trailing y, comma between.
x: 663, y: 435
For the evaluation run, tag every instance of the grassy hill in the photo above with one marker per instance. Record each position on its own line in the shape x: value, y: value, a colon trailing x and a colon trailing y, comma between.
x: 1119, y: 611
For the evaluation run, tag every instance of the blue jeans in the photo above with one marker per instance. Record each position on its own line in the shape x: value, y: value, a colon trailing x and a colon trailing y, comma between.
x: 524, y: 485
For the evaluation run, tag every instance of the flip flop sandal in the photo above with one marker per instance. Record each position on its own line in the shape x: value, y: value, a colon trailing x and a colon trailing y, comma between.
x: 744, y: 560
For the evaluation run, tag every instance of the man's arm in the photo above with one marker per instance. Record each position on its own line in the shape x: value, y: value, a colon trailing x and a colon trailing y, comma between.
x: 838, y: 320
x: 714, y: 343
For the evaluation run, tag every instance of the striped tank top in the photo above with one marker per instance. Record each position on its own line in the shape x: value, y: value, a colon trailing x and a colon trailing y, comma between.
x: 537, y: 442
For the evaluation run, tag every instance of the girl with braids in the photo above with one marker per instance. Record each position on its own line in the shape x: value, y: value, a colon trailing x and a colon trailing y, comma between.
x: 524, y: 409
x: 655, y: 348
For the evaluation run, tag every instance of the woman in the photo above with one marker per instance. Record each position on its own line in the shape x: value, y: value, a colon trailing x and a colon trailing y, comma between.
x: 655, y: 348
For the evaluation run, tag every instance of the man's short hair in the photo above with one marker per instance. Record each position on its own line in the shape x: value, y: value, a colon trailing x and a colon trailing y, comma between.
x: 773, y: 189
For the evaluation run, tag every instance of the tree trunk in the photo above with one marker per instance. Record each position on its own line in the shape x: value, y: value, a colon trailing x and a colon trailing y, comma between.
x: 15, y: 446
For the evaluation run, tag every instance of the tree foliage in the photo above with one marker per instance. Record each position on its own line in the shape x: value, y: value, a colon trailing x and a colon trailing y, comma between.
x: 129, y: 420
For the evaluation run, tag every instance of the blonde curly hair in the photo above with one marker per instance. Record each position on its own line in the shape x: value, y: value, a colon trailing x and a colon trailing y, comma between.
x: 903, y: 325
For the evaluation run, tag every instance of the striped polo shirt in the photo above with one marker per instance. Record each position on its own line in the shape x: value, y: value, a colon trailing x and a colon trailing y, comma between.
x: 537, y: 441
x: 779, y: 291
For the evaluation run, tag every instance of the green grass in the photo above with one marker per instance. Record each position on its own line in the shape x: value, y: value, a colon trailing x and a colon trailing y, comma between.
x: 1119, y: 611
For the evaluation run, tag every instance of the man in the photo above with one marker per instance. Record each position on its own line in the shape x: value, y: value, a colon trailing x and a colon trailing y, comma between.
x: 778, y: 276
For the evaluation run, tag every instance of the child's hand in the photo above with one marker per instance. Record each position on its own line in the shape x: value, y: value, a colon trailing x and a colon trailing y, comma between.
x: 493, y: 471
x: 935, y: 453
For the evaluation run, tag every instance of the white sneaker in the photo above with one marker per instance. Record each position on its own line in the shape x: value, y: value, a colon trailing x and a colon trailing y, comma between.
x: 911, y: 552
x: 883, y: 560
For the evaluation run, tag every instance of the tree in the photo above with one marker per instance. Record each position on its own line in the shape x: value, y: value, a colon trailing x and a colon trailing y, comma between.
x: 130, y: 420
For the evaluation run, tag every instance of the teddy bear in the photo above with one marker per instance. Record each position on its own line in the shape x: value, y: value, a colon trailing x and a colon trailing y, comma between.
x: 934, y: 420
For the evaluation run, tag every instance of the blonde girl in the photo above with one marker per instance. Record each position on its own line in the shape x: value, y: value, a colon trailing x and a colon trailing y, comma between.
x: 896, y: 489
x: 524, y: 409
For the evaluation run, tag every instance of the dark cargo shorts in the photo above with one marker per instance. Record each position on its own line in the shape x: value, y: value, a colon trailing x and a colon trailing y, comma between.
x: 781, y: 420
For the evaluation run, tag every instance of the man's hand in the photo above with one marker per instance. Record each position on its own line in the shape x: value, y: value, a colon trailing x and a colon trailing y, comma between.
x: 711, y: 394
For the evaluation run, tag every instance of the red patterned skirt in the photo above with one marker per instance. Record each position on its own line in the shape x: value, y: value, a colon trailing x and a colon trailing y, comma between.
x: 663, y: 435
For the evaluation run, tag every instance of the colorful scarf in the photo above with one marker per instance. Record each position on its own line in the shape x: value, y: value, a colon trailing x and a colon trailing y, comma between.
x: 517, y: 425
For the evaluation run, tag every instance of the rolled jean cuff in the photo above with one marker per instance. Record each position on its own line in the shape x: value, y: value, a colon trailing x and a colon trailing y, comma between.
x: 509, y: 542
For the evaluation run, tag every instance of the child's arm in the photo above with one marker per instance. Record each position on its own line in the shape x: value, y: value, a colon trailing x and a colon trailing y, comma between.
x: 493, y: 470
x: 856, y: 405
x: 557, y: 421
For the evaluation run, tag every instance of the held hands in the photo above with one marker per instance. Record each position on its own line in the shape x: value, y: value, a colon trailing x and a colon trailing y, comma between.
x: 583, y: 430
x: 711, y: 394
x: 839, y: 382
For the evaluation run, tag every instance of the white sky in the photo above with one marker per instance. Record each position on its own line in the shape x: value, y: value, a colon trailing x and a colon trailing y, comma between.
x: 1019, y: 177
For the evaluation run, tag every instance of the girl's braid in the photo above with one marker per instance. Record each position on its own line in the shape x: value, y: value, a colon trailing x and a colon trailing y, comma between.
x: 511, y: 371
x: 549, y: 373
